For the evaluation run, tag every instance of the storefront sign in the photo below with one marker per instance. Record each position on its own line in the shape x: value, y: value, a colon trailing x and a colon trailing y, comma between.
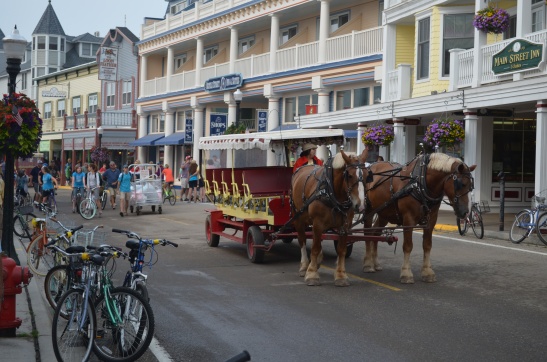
x: 189, y: 131
x: 487, y: 112
x: 89, y: 142
x: 108, y: 63
x: 217, y: 124
x: 78, y: 144
x: 53, y: 93
x: 517, y: 56
x: 44, y: 146
x: 116, y: 143
x: 226, y: 82
x: 262, y: 121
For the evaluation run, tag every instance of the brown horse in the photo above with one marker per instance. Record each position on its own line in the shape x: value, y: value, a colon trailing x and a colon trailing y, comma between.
x: 410, y: 195
x: 325, y: 197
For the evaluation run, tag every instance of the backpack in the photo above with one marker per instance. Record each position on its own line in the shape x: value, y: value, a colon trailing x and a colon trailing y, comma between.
x: 101, y: 181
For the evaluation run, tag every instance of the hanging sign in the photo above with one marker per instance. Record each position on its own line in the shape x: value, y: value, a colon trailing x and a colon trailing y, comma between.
x: 519, y: 55
x: 189, y: 131
x: 108, y: 63
x: 217, y: 124
x: 53, y: 93
x: 262, y: 121
x: 226, y: 82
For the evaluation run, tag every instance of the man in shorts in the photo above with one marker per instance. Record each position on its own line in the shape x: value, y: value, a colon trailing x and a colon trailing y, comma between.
x: 124, y: 182
x: 184, y: 175
x: 111, y: 176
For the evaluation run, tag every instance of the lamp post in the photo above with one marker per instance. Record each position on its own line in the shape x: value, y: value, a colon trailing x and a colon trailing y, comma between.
x: 100, y: 131
x: 14, y: 48
x: 238, y: 96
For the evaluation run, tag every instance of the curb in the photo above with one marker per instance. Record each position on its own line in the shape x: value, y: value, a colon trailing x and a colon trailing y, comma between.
x: 445, y: 227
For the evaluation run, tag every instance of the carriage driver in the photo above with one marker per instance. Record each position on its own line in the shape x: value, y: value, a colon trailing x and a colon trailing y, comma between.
x: 307, y: 157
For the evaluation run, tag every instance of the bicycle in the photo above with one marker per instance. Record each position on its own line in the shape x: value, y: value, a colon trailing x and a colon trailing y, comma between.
x: 21, y: 220
x: 77, y: 198
x: 87, y: 207
x: 530, y: 220
x: 20, y: 200
x: 473, y: 219
x: 169, y: 194
x: 105, y: 196
x: 134, y: 278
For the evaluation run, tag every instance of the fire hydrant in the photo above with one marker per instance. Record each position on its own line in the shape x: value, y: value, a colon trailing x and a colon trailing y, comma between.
x: 13, y: 276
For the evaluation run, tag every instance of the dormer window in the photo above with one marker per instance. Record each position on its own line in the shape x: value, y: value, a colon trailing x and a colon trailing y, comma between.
x: 88, y: 49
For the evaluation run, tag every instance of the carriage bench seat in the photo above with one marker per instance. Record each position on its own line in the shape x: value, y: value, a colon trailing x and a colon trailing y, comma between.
x: 267, y: 181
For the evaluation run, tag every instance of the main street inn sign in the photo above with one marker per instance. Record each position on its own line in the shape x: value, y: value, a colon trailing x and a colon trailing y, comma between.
x: 519, y: 55
x: 224, y: 83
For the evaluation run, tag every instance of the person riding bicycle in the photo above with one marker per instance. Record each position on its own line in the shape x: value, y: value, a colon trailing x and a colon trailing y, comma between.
x: 49, y: 184
x: 78, y: 185
x: 21, y: 183
x: 93, y: 182
x: 169, y: 180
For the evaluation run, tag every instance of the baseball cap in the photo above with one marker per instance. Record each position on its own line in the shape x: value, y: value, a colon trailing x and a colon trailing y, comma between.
x: 39, y: 161
x: 125, y: 166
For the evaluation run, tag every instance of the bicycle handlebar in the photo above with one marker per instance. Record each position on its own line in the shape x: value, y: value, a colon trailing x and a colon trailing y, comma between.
x: 132, y: 234
x: 56, y: 239
x: 242, y: 357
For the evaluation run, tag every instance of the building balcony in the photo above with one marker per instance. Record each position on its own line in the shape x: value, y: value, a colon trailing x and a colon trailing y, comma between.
x: 90, y: 120
x: 346, y: 47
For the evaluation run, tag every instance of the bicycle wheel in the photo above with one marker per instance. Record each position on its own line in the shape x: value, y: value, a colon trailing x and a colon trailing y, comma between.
x: 73, y: 336
x: 541, y: 228
x: 476, y: 223
x: 104, y: 199
x: 52, y: 204
x: 87, y: 209
x: 128, y: 339
x: 172, y: 199
x: 21, y: 225
x: 462, y: 225
x: 39, y: 258
x: 58, y: 280
x: 522, y: 226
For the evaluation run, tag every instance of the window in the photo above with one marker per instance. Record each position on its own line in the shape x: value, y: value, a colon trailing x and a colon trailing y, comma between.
x: 458, y: 32
x: 53, y: 43
x: 305, y: 100
x: 51, y: 70
x: 47, y: 110
x: 245, y: 43
x: 41, y: 42
x: 361, y: 97
x: 286, y: 33
x: 180, y: 60
x: 158, y: 123
x: 511, y: 31
x: 88, y: 49
x: 76, y: 105
x: 377, y: 94
x: 290, y: 109
x: 24, y: 80
x: 423, y: 49
x: 110, y: 94
x: 92, y: 100
x: 181, y: 120
x: 62, y: 44
x: 337, y: 20
x: 154, y: 123
x: 126, y: 95
x: 209, y: 53
x: 61, y: 108
x: 380, y: 12
x: 162, y: 123
x: 343, y: 99
x: 40, y: 71
x: 538, y: 14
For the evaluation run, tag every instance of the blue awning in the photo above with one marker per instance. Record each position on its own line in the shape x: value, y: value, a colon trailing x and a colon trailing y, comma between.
x: 350, y: 133
x: 176, y: 138
x: 148, y: 140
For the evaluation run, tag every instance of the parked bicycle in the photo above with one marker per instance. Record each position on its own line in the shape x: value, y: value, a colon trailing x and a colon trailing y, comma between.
x: 473, y: 219
x: 531, y: 220
x: 20, y: 200
x: 22, y: 222
x: 88, y: 208
x: 169, y: 194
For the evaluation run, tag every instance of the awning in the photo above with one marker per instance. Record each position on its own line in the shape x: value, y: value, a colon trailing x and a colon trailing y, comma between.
x: 350, y: 133
x: 148, y: 140
x: 176, y: 138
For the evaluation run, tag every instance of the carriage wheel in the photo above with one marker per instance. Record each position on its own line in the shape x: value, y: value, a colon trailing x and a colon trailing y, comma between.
x: 212, y: 239
x: 255, y: 237
x: 349, y: 248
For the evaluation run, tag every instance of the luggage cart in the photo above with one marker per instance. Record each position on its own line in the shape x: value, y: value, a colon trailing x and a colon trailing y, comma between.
x: 145, y: 188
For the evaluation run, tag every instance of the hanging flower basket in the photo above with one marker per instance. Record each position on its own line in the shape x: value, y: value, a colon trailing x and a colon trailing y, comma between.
x: 99, y: 155
x: 491, y: 20
x: 20, y: 125
x: 378, y: 135
x: 444, y: 132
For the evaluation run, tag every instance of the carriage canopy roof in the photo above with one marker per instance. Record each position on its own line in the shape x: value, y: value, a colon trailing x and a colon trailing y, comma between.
x: 262, y: 140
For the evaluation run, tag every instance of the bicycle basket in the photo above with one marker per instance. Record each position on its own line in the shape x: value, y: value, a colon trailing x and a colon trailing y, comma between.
x: 538, y: 201
x: 26, y: 209
x: 484, y: 207
x: 87, y: 237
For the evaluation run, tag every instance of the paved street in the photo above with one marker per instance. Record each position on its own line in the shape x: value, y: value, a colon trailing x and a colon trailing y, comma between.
x: 212, y: 303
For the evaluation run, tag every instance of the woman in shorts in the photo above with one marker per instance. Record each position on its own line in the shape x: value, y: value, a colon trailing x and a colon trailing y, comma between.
x: 49, y: 184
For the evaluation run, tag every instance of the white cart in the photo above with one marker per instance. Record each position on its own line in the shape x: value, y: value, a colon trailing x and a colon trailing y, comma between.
x: 146, y: 188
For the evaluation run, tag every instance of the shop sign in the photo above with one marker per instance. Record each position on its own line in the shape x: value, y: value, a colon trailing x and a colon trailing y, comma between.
x: 53, y: 93
x: 78, y: 144
x: 44, y: 146
x: 108, y: 63
x: 519, y: 55
x: 226, y: 82
x: 487, y: 112
x: 189, y: 131
x: 262, y: 121
x: 89, y: 142
x: 217, y: 124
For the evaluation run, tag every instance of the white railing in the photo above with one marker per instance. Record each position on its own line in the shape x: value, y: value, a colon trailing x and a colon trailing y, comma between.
x: 354, y: 45
x: 155, y: 86
x: 465, y: 73
x: 183, y: 80
x: 393, y: 91
x: 215, y: 71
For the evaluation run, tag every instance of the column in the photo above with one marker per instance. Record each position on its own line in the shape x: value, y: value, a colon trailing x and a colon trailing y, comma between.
x: 398, y: 145
x: 274, y: 42
x: 198, y: 125
x: 168, y: 151
x: 199, y: 60
x: 322, y: 107
x: 278, y: 156
x: 472, y: 149
x: 232, y: 107
x: 541, y: 146
x: 170, y: 65
x: 479, y: 42
x: 234, y: 40
x: 410, y: 143
x: 324, y: 27
x: 390, y: 35
x: 143, y: 75
x: 524, y: 25
x: 141, y: 151
x: 360, y: 145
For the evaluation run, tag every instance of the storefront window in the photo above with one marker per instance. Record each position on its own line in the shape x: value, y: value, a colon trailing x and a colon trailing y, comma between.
x: 514, y: 150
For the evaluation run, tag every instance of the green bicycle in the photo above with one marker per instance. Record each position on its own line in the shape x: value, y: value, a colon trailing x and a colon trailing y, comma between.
x: 169, y: 194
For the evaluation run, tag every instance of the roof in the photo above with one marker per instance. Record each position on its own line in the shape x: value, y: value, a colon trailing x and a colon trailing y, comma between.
x: 73, y: 59
x: 2, y: 36
x: 87, y: 38
x: 128, y: 33
x: 49, y: 23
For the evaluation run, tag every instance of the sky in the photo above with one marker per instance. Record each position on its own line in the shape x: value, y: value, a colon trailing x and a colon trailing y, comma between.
x: 78, y: 16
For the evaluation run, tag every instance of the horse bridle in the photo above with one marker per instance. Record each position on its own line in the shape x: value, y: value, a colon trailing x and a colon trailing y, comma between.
x: 458, y: 184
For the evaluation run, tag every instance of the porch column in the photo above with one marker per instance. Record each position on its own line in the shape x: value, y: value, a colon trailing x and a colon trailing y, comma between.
x: 143, y: 75
x: 274, y: 41
x: 273, y: 159
x: 410, y: 143
x: 479, y: 42
x: 524, y: 26
x: 322, y: 107
x: 454, y: 69
x: 168, y: 154
x: 141, y: 151
x: 324, y: 27
x: 398, y: 146
x: 199, y: 61
x: 390, y: 34
x: 170, y: 65
x: 234, y: 40
x: 360, y: 145
x: 198, y: 124
x: 472, y: 147
x: 541, y: 146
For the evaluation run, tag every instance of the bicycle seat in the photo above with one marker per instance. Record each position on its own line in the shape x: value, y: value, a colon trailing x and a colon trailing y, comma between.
x: 75, y: 249
x: 132, y: 244
x: 540, y: 200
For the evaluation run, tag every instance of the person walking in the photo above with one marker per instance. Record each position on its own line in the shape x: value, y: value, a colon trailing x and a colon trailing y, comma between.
x: 68, y: 171
x: 93, y: 180
x: 307, y: 157
x: 184, y: 175
x: 49, y: 184
x: 35, y: 182
x: 103, y: 169
x: 78, y: 185
x: 111, y: 177
x: 193, y: 181
x: 124, y: 182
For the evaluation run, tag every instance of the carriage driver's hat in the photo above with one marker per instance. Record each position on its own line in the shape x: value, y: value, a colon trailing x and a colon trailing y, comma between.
x: 308, y: 146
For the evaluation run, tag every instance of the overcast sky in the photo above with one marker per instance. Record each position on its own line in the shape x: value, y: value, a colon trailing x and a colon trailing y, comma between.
x: 79, y: 16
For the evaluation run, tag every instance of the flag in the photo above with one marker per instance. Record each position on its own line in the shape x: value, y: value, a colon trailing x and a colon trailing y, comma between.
x: 16, y: 115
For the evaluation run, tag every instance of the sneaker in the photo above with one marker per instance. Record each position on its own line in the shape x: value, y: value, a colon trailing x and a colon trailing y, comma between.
x: 186, y: 199
x: 121, y: 214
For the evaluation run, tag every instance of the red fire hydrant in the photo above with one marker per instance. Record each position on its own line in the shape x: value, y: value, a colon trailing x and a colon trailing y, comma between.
x: 13, y: 276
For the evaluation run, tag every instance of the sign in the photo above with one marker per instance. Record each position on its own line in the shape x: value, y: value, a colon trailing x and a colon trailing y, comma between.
x: 487, y: 112
x: 217, y: 124
x: 44, y: 146
x: 226, y: 82
x: 311, y: 108
x: 53, y: 93
x: 189, y: 131
x: 519, y: 55
x: 262, y: 121
x: 108, y: 63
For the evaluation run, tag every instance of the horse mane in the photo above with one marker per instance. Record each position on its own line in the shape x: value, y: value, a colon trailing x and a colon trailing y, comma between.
x: 442, y: 162
x: 339, y: 162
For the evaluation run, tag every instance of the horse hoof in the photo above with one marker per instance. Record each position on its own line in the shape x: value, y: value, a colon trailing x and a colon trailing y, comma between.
x: 313, y: 282
x: 302, y: 273
x: 407, y: 280
x: 378, y: 268
x: 342, y: 283
x: 369, y: 269
x: 429, y: 278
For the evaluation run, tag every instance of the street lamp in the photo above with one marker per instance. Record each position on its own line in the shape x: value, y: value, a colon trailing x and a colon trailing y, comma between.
x: 14, y: 50
x: 238, y: 96
x: 100, y: 131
